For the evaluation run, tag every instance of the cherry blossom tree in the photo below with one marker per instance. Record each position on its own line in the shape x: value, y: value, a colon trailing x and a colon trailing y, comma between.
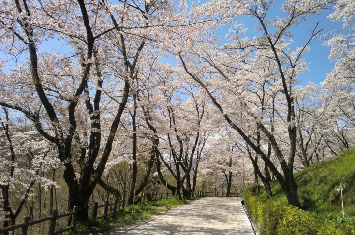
x: 243, y: 64
x: 325, y: 122
x: 72, y: 93
x: 223, y: 159
x: 339, y: 122
x: 180, y: 127
x: 340, y: 83
x: 185, y: 141
x: 311, y: 116
x: 342, y: 51
x: 26, y: 158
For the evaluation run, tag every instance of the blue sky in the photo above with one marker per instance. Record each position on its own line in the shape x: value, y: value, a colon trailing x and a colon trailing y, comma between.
x: 317, y: 57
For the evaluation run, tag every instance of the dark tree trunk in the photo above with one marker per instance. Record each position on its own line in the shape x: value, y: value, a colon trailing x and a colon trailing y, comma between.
x: 78, y: 194
x: 134, y: 152
x: 145, y: 181
x: 162, y: 180
x: 82, y: 203
x: 229, y: 184
x: 194, y: 182
x: 195, y: 169
x: 267, y: 182
x: 290, y: 189
x: 256, y: 178
x: 228, y: 177
x: 133, y: 183
x: 267, y: 174
x: 187, y: 192
x: 178, y: 181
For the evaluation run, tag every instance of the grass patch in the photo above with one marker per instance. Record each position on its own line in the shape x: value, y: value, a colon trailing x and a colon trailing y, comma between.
x: 141, y: 212
x: 130, y: 216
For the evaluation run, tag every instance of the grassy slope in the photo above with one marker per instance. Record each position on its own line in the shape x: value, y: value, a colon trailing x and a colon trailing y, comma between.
x: 319, y: 186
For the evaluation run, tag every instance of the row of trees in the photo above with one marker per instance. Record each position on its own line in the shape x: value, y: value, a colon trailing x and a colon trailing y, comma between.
x: 125, y: 93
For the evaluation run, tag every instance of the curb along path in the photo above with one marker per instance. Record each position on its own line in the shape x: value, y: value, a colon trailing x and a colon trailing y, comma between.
x: 210, y: 215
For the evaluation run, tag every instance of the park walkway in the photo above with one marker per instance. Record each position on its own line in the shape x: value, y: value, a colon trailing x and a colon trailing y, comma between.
x: 210, y: 215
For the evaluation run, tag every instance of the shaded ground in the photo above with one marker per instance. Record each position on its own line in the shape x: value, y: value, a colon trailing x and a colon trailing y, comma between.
x: 205, y: 216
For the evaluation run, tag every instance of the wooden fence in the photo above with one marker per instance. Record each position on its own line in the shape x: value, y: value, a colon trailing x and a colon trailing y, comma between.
x: 52, y: 223
x: 216, y: 194
x: 108, y: 209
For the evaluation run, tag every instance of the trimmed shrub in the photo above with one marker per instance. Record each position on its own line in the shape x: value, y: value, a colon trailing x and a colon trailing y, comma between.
x: 273, y: 218
x: 299, y: 222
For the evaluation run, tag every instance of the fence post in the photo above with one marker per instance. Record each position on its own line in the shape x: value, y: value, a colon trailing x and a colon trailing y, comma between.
x: 75, y: 217
x: 105, y: 210
x: 25, y: 226
x: 52, y: 222
x: 94, y: 210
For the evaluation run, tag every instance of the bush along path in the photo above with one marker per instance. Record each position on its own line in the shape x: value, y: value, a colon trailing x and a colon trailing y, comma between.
x: 211, y: 215
x: 327, y: 194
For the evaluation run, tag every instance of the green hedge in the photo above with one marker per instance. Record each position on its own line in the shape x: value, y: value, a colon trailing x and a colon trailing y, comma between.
x: 273, y: 218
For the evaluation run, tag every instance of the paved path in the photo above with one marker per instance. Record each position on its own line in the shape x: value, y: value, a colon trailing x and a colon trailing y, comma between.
x: 210, y: 215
